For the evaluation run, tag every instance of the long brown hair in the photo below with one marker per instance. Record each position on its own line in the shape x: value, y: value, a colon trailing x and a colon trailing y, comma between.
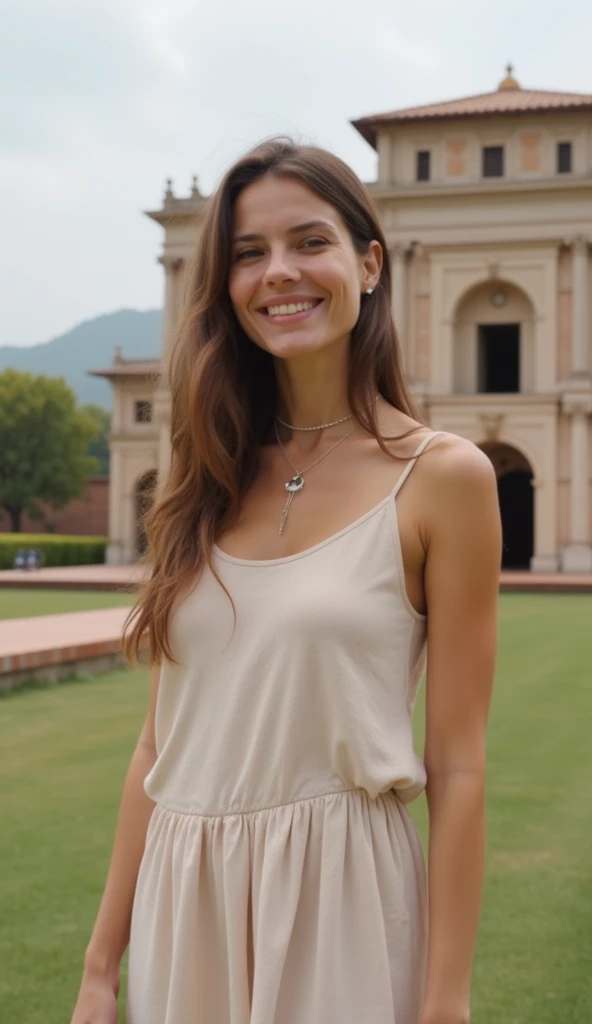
x: 223, y: 386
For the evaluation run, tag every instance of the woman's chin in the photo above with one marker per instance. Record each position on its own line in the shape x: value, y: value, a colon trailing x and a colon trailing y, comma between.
x: 296, y: 346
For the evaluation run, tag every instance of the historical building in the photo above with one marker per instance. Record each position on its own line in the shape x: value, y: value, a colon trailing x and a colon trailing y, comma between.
x: 486, y: 204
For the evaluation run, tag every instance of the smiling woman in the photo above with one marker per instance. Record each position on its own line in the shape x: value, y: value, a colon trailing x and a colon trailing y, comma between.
x: 315, y: 261
x: 304, y: 559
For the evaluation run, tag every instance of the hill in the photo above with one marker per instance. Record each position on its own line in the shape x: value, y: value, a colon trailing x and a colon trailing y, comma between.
x: 90, y: 346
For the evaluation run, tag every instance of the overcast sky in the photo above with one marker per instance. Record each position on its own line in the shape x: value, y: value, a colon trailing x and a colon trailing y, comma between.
x: 102, y: 100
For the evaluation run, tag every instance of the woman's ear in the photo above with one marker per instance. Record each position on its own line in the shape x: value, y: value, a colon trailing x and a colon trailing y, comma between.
x: 372, y: 266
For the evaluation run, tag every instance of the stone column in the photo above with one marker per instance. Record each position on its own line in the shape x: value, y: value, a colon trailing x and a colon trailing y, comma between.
x: 173, y: 268
x: 399, y: 269
x: 577, y: 556
x: 580, y: 365
x: 114, y: 553
x: 129, y: 524
x: 419, y: 327
x: 162, y: 417
x: 172, y: 301
x: 545, y: 528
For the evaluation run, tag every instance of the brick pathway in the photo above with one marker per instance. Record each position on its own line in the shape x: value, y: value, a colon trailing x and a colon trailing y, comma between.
x: 51, y: 646
x: 556, y: 583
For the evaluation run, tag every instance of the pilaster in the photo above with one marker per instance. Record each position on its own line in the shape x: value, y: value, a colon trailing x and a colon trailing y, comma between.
x: 577, y: 555
x: 580, y: 363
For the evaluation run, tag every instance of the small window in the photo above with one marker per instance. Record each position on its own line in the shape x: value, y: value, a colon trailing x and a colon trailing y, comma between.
x: 423, y: 165
x: 564, y: 158
x: 143, y: 412
x: 493, y: 161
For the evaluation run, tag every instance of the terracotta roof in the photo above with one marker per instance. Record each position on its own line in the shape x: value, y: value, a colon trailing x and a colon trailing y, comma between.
x: 130, y: 368
x: 508, y: 99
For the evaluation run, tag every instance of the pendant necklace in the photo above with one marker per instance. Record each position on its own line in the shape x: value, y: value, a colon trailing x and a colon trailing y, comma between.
x: 295, y: 485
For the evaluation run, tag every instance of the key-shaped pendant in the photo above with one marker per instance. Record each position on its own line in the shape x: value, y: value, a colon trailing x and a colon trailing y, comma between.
x: 293, y: 486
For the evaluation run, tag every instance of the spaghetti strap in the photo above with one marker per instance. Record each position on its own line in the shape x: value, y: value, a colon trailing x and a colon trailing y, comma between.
x: 420, y: 448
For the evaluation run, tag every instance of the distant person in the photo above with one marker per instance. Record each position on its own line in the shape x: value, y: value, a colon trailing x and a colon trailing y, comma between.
x: 33, y: 559
x: 20, y: 559
x: 312, y: 533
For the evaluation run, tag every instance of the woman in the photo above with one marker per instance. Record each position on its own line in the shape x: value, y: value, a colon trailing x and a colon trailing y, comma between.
x: 275, y: 874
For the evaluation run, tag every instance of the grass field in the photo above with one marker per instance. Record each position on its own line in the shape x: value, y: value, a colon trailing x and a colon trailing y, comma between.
x: 64, y: 754
x: 19, y: 604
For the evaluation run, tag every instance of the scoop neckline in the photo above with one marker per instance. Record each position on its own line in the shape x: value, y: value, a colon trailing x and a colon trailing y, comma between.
x: 306, y: 551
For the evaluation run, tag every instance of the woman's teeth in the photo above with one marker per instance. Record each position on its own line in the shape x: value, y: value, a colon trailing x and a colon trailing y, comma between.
x: 293, y: 307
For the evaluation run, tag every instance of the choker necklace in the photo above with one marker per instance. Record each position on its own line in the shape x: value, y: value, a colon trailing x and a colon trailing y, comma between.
x: 296, y: 484
x: 321, y: 426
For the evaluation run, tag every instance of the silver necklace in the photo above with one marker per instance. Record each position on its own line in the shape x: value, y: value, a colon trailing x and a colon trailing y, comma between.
x: 321, y: 426
x: 296, y: 484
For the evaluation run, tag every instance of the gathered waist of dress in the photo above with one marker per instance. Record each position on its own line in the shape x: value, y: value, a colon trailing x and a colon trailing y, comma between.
x: 270, y: 808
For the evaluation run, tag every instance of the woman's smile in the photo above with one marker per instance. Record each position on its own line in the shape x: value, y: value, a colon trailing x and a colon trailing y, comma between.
x: 288, y: 309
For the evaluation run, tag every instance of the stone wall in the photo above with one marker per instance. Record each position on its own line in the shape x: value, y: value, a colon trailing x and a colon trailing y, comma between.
x: 86, y: 516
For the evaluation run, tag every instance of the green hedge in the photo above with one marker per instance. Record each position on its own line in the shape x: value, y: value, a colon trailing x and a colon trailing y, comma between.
x: 56, y: 549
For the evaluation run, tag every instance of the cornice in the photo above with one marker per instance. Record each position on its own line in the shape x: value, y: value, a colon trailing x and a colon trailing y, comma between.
x: 483, y: 236
x: 502, y: 187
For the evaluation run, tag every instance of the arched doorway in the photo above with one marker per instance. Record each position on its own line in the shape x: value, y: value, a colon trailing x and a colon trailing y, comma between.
x: 143, y: 493
x: 516, y: 497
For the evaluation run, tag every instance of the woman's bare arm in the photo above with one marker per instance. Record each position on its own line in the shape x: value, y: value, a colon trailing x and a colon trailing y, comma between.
x: 463, y: 539
x: 110, y: 935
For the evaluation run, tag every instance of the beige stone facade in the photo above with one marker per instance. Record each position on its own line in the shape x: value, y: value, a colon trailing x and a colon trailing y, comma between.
x: 486, y: 204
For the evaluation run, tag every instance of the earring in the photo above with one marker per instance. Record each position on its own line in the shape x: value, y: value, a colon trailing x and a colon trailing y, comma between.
x: 369, y: 291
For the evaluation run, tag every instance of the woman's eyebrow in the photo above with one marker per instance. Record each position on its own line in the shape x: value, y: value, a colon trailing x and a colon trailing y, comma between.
x: 291, y: 231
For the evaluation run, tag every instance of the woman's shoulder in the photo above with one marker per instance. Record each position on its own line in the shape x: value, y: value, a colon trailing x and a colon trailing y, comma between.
x: 456, y: 488
x: 450, y: 466
x: 455, y: 462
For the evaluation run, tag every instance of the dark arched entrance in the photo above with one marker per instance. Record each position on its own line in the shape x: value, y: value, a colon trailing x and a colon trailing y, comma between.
x: 144, y: 493
x: 516, y: 498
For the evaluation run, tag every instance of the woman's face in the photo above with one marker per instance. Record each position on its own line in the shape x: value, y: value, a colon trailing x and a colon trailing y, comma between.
x: 296, y: 280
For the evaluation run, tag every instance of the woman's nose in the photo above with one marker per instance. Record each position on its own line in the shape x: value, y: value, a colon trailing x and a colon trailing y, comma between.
x: 280, y: 266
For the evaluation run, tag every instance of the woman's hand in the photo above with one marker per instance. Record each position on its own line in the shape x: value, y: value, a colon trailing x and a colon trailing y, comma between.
x: 97, y: 1000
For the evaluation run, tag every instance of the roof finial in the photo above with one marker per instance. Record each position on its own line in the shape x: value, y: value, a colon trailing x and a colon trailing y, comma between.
x: 509, y: 82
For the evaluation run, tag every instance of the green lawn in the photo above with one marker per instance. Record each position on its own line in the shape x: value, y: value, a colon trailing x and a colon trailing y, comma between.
x: 19, y: 604
x: 64, y: 754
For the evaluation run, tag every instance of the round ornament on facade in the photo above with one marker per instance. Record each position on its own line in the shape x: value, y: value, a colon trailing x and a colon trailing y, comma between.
x: 499, y: 298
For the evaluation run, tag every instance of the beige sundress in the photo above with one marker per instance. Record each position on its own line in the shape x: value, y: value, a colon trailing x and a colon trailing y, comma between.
x: 283, y: 881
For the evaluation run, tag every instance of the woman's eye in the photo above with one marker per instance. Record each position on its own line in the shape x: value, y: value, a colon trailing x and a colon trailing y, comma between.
x: 246, y: 254
x: 314, y: 242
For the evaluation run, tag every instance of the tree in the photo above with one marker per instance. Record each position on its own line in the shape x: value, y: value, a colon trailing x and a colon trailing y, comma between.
x: 44, y: 438
x: 99, y: 443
